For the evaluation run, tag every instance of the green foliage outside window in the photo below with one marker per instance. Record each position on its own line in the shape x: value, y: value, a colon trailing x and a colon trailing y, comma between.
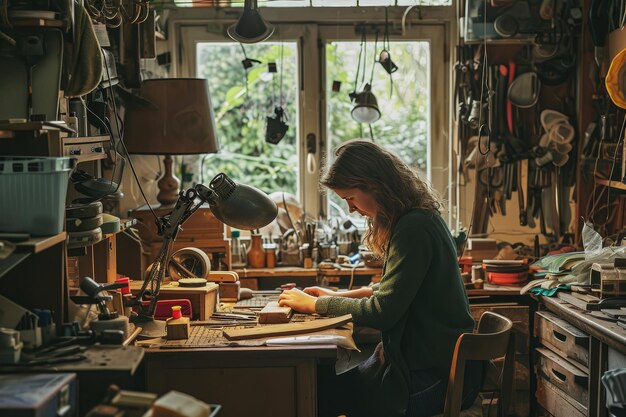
x: 240, y: 111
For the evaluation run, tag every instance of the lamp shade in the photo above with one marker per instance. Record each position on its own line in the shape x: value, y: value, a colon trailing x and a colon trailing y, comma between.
x: 238, y: 205
x: 174, y: 117
x: 365, y: 108
x: 251, y: 27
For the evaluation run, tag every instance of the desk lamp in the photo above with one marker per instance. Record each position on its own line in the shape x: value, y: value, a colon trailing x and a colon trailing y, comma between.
x: 237, y: 205
x: 174, y: 117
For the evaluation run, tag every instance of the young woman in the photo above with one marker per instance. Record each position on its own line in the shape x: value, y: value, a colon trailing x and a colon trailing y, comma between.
x: 420, y: 305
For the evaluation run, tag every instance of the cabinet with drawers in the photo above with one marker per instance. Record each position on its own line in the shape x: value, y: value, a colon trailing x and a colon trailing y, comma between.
x: 574, y: 347
x: 561, y: 367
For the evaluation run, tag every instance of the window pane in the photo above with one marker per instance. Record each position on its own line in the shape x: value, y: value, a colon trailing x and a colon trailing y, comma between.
x: 404, y: 126
x: 241, y: 109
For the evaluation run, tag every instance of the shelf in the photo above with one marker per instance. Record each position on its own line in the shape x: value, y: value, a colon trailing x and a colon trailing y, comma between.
x: 295, y: 271
x: 30, y: 247
x: 613, y: 184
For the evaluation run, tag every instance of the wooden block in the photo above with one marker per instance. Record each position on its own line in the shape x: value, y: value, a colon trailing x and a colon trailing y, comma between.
x: 272, y: 313
x: 223, y: 276
x: 575, y: 301
x: 177, y: 328
x: 229, y: 291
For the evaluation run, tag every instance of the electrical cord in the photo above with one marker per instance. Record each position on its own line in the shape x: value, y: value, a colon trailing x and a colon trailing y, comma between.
x: 619, y: 141
x: 126, y: 153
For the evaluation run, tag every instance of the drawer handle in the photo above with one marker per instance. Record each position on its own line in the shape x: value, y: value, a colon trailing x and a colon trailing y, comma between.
x: 559, y: 336
x: 560, y: 376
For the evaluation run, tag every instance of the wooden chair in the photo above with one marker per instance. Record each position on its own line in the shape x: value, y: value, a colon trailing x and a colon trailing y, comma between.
x: 493, y: 339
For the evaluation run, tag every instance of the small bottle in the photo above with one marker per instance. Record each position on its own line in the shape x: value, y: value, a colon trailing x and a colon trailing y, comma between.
x: 237, y: 252
x: 255, y: 255
x: 270, y: 254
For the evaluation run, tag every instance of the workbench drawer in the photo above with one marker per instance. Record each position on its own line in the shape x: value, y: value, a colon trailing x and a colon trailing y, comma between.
x: 563, y: 338
x: 569, y: 379
x: 555, y: 402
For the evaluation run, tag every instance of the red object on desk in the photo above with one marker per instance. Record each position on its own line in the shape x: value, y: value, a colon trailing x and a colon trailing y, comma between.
x: 126, y: 289
x: 507, y: 278
x: 164, y: 311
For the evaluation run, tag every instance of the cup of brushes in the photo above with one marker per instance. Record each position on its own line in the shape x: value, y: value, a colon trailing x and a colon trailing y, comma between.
x: 177, y: 326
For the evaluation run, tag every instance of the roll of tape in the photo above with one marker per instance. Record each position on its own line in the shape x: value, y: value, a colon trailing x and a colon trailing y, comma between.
x: 189, y: 263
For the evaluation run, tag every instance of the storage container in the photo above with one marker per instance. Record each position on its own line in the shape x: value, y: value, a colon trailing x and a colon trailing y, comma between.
x: 32, y: 194
x: 38, y: 395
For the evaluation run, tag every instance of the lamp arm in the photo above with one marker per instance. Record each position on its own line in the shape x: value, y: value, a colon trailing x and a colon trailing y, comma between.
x: 169, y: 225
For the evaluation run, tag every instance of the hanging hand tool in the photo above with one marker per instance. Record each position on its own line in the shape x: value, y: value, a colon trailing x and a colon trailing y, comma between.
x: 598, y: 25
x: 31, y: 48
x: 522, y: 190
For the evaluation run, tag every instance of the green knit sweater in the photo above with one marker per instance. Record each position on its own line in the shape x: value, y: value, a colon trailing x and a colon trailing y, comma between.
x: 420, y: 307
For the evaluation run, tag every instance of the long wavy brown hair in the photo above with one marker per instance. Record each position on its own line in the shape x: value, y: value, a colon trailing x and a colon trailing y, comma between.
x: 395, y: 187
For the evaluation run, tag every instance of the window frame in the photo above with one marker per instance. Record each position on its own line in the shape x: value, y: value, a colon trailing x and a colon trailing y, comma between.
x: 312, y: 27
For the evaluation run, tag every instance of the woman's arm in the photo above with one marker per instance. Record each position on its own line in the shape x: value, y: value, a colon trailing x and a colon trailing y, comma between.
x: 304, y: 301
x: 357, y: 293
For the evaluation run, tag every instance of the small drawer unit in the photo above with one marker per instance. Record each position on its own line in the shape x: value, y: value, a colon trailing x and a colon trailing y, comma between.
x: 561, y: 373
x: 562, y: 366
x: 563, y: 338
x: 86, y: 148
x: 555, y: 402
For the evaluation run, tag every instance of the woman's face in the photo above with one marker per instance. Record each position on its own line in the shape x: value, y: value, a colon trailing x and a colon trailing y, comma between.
x: 358, y: 200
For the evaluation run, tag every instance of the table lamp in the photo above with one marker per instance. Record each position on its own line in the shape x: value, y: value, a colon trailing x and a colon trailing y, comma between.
x: 174, y: 117
x: 237, y: 205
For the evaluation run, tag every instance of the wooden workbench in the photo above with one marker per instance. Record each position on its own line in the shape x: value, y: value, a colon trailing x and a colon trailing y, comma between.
x: 246, y: 381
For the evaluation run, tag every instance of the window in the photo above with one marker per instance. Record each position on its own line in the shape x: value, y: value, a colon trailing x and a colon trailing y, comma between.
x: 403, y: 99
x: 242, y: 99
x: 321, y: 47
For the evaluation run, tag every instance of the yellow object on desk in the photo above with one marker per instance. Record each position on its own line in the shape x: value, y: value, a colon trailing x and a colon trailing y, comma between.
x: 177, y: 326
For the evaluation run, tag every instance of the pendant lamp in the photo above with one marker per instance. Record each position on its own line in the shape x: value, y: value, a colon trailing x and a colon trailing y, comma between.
x: 365, y: 108
x: 251, y: 27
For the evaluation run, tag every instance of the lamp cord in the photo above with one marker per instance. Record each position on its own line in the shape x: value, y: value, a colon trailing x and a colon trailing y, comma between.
x: 387, y: 47
x: 374, y: 60
x: 358, y: 65
x: 245, y: 70
x: 282, y: 48
x: 128, y: 158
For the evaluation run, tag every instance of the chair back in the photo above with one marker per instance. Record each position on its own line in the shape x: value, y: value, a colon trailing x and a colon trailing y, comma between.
x: 493, y: 339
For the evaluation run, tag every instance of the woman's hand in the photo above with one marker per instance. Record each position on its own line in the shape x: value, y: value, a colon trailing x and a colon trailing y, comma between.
x: 319, y: 291
x: 298, y: 300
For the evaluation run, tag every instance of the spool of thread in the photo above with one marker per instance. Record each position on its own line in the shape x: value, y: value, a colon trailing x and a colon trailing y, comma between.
x: 118, y: 323
x: 477, y: 272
